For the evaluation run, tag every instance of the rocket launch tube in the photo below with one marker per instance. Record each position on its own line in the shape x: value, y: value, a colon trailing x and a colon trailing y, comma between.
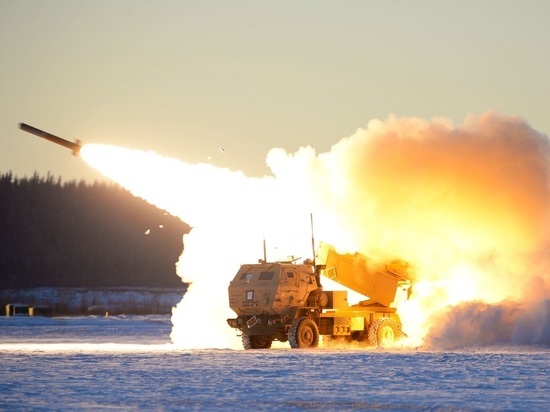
x: 74, y: 147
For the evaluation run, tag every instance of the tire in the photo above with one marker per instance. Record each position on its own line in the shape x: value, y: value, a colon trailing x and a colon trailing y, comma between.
x: 383, y: 332
x: 303, y: 333
x: 256, y: 341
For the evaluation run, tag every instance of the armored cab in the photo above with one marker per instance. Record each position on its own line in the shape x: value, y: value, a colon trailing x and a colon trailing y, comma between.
x: 266, y: 297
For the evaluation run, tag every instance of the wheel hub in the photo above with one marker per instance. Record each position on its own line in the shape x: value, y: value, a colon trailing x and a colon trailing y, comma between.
x: 387, y: 335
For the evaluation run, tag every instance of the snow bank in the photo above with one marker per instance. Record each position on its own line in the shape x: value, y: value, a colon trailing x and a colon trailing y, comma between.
x: 80, y: 301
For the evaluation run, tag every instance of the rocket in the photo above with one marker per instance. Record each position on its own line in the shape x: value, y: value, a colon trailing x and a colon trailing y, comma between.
x: 73, y: 146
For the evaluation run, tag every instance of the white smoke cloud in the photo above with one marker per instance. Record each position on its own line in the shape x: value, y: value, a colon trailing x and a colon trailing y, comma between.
x: 467, y: 206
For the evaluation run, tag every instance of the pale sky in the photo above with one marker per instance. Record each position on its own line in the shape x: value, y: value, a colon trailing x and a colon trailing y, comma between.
x: 186, y: 78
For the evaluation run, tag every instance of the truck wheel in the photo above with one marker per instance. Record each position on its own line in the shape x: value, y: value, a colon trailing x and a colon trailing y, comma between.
x: 303, y: 334
x: 383, y: 332
x: 256, y: 341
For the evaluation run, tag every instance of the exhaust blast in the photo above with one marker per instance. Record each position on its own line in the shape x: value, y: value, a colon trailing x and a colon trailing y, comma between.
x: 229, y: 214
x: 467, y: 206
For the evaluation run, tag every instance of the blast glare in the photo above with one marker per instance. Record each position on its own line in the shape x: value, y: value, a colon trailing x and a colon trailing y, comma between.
x: 468, y: 206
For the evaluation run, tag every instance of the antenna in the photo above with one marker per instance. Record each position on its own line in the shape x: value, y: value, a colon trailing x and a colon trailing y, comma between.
x: 265, y: 253
x: 312, y: 238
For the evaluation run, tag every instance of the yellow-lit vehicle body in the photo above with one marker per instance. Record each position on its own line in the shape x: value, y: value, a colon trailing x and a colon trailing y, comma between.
x: 285, y: 301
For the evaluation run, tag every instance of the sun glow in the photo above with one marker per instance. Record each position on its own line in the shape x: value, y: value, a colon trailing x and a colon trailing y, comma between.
x: 466, y: 206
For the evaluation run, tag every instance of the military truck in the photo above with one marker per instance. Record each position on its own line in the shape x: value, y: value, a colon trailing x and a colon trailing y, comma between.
x: 285, y: 301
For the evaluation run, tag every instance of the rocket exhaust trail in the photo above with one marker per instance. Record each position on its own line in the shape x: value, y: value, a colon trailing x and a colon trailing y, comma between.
x: 74, y: 147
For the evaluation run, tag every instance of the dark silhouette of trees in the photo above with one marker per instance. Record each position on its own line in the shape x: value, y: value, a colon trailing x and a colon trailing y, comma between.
x: 55, y: 234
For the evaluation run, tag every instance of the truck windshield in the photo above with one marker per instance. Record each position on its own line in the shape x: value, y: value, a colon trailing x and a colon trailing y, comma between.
x: 246, y: 276
x: 266, y: 275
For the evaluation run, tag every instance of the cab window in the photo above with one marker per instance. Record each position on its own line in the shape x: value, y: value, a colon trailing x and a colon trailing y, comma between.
x: 266, y: 275
x: 246, y: 276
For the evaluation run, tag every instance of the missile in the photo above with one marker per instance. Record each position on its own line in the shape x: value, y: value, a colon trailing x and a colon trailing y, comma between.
x: 74, y: 147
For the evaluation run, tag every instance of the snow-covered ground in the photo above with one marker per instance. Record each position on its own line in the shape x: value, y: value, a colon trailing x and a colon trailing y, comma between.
x: 129, y: 363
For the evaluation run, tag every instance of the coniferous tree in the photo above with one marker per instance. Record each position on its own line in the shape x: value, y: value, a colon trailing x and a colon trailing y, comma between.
x: 81, y: 235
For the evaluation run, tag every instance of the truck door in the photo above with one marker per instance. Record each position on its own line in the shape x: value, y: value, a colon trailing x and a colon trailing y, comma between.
x: 299, y: 283
x: 288, y: 289
x: 291, y: 278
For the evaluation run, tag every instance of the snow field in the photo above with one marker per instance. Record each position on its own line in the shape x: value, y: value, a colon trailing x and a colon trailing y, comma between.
x: 127, y: 363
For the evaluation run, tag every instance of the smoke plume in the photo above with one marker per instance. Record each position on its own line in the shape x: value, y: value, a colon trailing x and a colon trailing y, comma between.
x: 467, y: 206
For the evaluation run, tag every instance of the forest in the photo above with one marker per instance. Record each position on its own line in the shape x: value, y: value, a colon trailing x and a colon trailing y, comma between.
x: 80, y: 235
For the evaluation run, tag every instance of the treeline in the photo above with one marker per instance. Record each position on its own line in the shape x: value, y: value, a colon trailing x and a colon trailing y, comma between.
x: 75, y: 234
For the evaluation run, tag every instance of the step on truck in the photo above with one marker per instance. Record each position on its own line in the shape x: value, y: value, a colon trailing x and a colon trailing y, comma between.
x: 285, y: 301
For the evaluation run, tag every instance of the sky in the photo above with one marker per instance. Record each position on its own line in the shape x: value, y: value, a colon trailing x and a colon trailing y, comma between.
x: 225, y: 82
